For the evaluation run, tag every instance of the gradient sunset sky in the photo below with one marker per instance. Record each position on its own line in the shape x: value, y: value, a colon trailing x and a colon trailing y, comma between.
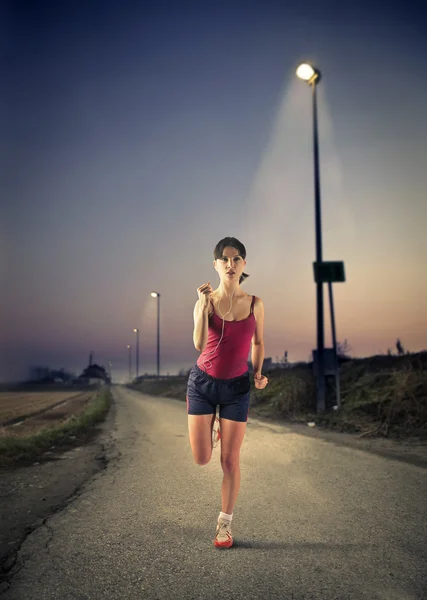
x: 134, y: 138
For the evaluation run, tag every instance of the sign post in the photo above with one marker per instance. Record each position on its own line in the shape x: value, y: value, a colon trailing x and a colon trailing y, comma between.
x: 328, y: 272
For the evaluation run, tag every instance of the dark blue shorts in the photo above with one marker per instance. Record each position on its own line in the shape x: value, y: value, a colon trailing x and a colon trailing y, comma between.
x: 205, y: 393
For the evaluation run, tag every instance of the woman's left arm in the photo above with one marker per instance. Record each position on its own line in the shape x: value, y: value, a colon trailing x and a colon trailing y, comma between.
x: 258, y: 345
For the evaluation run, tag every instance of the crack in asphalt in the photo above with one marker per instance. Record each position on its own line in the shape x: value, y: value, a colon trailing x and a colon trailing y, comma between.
x: 50, y: 531
x: 16, y: 560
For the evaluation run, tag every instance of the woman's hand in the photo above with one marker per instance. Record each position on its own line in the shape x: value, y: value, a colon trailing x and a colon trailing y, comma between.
x: 260, y: 381
x: 204, y: 292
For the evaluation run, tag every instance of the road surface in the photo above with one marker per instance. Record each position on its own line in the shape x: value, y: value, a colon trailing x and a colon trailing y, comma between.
x: 315, y: 520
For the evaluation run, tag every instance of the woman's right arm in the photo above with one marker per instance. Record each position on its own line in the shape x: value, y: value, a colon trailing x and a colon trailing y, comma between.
x: 201, y: 317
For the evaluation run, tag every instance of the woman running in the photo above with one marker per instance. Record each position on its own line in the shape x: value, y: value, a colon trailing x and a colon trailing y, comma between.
x: 226, y: 321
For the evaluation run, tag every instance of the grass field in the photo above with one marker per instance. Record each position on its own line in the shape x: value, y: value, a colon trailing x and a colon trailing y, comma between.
x: 64, y: 422
x: 19, y: 405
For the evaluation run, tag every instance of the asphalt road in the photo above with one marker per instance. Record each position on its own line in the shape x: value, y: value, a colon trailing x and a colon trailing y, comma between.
x: 315, y: 520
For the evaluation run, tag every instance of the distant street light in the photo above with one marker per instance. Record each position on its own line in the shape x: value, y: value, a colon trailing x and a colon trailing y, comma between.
x: 130, y: 361
x: 312, y: 76
x: 137, y: 352
x: 157, y: 295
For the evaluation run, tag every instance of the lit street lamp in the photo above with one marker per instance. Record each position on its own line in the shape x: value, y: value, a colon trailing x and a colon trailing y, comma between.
x: 137, y: 352
x: 130, y: 361
x: 312, y: 76
x: 157, y: 295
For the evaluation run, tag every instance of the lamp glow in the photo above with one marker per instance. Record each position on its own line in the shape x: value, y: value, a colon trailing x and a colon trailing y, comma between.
x: 154, y: 294
x: 305, y: 72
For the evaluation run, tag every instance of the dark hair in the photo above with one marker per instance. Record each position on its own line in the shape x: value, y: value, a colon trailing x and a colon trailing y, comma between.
x: 234, y: 243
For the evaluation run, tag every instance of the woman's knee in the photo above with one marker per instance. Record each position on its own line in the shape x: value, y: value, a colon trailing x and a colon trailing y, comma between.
x: 230, y: 463
x: 202, y: 459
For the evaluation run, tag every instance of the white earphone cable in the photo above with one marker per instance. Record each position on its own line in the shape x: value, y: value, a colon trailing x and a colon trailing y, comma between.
x: 205, y: 360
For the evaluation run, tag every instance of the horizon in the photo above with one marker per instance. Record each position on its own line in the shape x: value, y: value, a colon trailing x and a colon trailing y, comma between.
x: 124, y: 376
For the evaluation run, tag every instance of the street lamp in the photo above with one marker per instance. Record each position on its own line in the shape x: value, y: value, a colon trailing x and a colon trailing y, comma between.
x: 157, y: 295
x: 130, y: 361
x: 137, y: 352
x: 308, y: 73
x: 311, y: 75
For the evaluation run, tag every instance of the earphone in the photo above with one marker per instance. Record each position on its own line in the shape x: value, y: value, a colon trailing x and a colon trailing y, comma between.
x: 222, y: 332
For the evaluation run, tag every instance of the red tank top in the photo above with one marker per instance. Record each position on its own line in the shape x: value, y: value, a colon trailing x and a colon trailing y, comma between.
x: 230, y: 359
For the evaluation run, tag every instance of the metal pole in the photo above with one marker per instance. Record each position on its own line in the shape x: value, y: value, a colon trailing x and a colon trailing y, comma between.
x: 130, y: 362
x: 318, y: 226
x: 137, y: 353
x: 334, y: 341
x: 158, y: 335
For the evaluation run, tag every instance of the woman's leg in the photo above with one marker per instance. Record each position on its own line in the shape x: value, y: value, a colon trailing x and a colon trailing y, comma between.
x: 232, y: 434
x: 200, y: 433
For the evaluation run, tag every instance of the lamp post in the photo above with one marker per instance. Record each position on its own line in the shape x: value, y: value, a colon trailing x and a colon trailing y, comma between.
x: 137, y: 352
x: 312, y: 76
x: 157, y: 295
x: 130, y: 361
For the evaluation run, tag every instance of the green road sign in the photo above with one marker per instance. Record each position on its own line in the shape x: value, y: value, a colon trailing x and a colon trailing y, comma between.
x: 329, y: 271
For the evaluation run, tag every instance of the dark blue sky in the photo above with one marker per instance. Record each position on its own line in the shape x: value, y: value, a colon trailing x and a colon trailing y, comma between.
x: 135, y: 137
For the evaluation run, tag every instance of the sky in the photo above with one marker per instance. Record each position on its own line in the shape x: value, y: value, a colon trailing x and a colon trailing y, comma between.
x: 134, y: 138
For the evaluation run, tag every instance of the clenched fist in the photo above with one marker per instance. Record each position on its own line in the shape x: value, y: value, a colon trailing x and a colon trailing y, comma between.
x: 260, y: 381
x: 204, y: 292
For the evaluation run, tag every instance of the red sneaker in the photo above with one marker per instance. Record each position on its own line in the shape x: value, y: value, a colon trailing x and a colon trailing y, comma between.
x: 223, y: 537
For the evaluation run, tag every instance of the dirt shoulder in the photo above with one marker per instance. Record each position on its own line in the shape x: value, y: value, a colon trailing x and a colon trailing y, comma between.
x: 45, y: 459
x: 412, y: 450
x: 29, y: 494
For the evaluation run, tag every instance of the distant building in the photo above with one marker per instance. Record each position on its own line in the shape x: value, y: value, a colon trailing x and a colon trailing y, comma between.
x: 94, y: 374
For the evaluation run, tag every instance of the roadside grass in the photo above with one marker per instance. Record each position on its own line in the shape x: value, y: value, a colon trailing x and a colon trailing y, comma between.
x: 73, y: 431
x: 378, y: 398
x: 394, y: 399
x: 171, y: 387
x: 383, y: 396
